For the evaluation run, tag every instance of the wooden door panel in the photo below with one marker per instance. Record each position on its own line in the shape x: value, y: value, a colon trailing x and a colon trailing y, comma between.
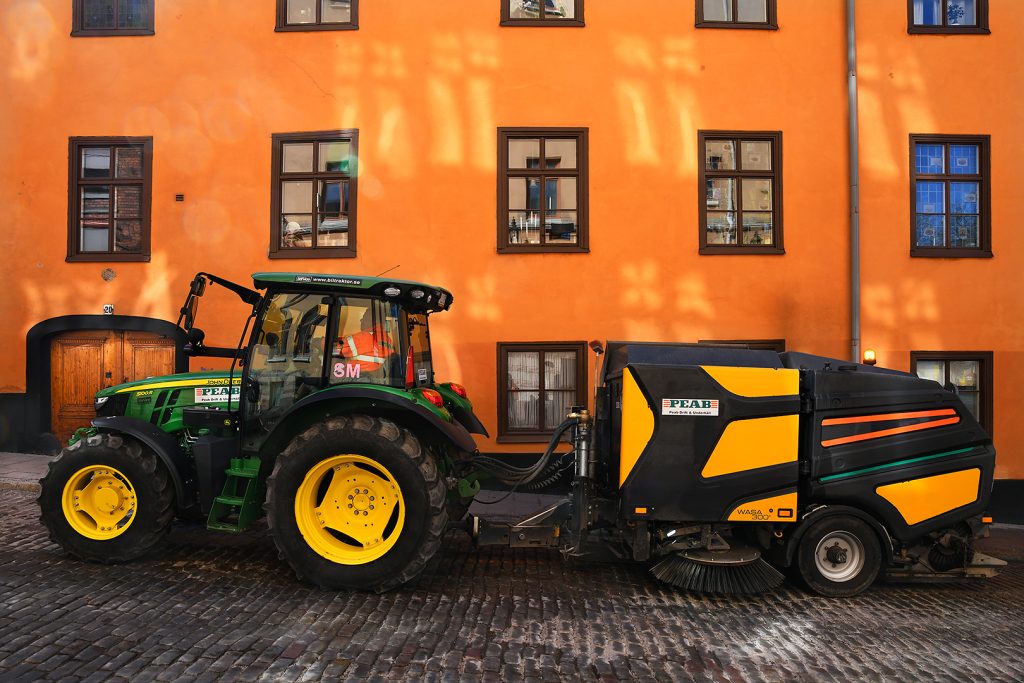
x: 81, y: 363
x: 147, y: 355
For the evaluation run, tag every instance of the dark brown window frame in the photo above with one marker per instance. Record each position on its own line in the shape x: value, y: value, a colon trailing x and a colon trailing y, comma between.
x: 980, y: 28
x: 543, y: 435
x: 581, y: 173
x: 984, y: 359
x: 775, y: 137
x: 776, y: 345
x: 771, y: 12
x: 75, y: 145
x: 984, y: 180
x: 507, y: 20
x: 284, y: 26
x: 77, y: 8
x: 276, y: 251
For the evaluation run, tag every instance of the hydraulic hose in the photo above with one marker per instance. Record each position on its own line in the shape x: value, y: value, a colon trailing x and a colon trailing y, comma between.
x: 511, y: 474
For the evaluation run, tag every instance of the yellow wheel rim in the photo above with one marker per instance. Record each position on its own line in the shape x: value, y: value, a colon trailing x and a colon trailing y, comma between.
x: 350, y: 509
x: 99, y: 502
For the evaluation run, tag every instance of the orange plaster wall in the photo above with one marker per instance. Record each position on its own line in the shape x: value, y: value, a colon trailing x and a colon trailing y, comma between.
x: 427, y: 85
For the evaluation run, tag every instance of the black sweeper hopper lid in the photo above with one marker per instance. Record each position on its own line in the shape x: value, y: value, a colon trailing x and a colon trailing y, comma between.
x: 620, y: 354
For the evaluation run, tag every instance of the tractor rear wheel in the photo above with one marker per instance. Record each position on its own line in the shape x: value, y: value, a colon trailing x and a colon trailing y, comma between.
x: 839, y: 556
x: 356, y: 503
x: 106, y: 499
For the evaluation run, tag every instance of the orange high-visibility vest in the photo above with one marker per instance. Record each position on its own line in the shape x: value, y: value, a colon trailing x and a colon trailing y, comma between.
x: 370, y: 348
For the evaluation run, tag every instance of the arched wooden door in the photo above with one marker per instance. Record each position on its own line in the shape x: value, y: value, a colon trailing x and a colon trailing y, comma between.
x: 83, y: 362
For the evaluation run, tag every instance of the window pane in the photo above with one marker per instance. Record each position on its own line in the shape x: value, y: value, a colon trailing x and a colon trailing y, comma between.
x: 721, y: 194
x: 757, y: 228
x: 128, y: 201
x: 964, y: 374
x: 961, y: 13
x: 932, y: 369
x: 931, y: 197
x: 96, y: 162
x: 533, y: 194
x: 963, y: 197
x: 336, y: 11
x: 297, y: 196
x: 335, y: 156
x: 560, y: 370
x: 757, y: 195
x: 332, y: 230
x: 517, y: 194
x: 559, y: 9
x: 297, y: 157
x: 971, y: 400
x: 931, y: 231
x: 717, y: 10
x: 301, y: 11
x: 523, y: 227
x: 963, y: 159
x: 129, y: 162
x: 297, y: 230
x: 560, y: 227
x: 128, y: 236
x: 523, y: 9
x: 524, y: 153
x: 559, y: 194
x: 133, y: 13
x: 334, y: 196
x: 559, y: 154
x: 964, y: 231
x: 97, y: 14
x: 522, y: 410
x: 752, y: 10
x: 928, y: 12
x: 757, y: 156
x: 96, y: 202
x: 557, y: 405
x: 930, y: 158
x: 94, y: 235
x: 719, y: 155
x: 523, y: 370
x: 721, y: 227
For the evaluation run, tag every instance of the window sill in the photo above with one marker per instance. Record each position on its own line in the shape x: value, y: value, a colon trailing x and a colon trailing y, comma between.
x: 524, y: 438
x: 302, y: 28
x: 941, y: 252
x: 330, y: 252
x: 544, y: 249
x: 542, y: 22
x: 107, y: 258
x: 947, y: 31
x: 744, y: 251
x: 98, y: 32
x: 736, y: 24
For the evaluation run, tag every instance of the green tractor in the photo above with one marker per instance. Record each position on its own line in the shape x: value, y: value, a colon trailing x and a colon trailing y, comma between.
x: 330, y: 420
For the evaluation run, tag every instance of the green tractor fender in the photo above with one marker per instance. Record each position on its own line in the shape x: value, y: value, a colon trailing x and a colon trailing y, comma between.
x: 367, y: 399
x: 166, y: 448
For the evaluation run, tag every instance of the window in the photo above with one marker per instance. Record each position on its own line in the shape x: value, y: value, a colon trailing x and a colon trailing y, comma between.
x: 736, y: 14
x: 112, y: 18
x: 109, y: 195
x: 740, y: 193
x: 776, y: 345
x: 313, y: 197
x: 542, y: 189
x: 949, y: 185
x: 970, y: 372
x: 542, y: 12
x: 947, y: 16
x: 317, y: 15
x: 538, y: 383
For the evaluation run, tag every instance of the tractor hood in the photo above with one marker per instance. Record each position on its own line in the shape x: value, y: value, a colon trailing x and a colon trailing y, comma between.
x: 185, y: 379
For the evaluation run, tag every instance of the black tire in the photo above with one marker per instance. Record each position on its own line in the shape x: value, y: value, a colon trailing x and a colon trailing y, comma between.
x: 839, y: 556
x: 398, y: 452
x: 153, y: 492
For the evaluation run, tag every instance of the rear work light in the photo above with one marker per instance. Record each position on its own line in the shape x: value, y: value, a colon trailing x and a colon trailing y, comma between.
x: 433, y: 397
x: 459, y: 389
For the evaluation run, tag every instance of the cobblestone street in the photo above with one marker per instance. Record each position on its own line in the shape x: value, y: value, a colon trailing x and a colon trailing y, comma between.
x: 217, y: 607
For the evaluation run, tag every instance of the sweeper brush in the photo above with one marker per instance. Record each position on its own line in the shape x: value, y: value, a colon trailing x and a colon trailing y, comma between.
x: 715, y: 571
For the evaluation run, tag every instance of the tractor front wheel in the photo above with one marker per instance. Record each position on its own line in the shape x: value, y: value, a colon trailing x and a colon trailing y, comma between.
x: 356, y: 503
x: 106, y: 499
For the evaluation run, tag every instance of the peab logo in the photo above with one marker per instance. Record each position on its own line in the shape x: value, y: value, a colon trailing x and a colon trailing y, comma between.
x: 689, y: 406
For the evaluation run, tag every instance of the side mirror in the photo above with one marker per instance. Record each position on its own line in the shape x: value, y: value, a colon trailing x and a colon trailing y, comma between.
x: 596, y: 346
x: 195, y: 336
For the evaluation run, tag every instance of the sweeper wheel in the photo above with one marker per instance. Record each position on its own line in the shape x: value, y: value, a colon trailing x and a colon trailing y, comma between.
x: 839, y: 556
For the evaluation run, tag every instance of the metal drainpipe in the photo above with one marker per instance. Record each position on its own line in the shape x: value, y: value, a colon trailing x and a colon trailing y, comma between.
x: 851, y: 64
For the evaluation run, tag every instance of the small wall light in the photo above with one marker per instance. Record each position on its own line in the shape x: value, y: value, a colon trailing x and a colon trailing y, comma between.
x: 869, y: 357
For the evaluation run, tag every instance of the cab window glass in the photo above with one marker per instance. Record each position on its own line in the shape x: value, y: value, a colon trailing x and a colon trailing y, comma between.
x: 367, y: 343
x: 419, y: 345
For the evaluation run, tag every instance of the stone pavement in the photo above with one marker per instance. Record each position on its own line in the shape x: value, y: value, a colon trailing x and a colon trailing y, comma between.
x: 212, y: 607
x: 22, y: 470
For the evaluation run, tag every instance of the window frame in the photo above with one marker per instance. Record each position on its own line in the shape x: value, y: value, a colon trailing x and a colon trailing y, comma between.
x: 985, y: 370
x: 77, y: 23
x: 505, y: 435
x: 581, y: 173
x: 75, y: 146
x: 282, y: 25
x: 775, y: 137
x: 507, y: 20
x: 981, y: 28
x: 770, y: 24
x: 278, y: 140
x: 984, y: 180
x: 776, y: 345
